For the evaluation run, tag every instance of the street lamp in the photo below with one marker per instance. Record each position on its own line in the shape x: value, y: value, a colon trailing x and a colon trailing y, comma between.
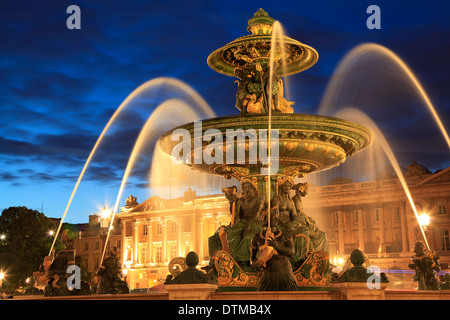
x: 105, y: 218
x: 424, y: 221
x: 125, y: 272
x: 2, y: 276
x: 2, y: 237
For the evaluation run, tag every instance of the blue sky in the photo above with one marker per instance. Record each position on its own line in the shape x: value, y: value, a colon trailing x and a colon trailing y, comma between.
x: 60, y: 87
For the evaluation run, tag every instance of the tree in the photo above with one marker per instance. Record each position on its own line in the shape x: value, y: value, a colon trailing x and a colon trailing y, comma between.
x: 25, y: 244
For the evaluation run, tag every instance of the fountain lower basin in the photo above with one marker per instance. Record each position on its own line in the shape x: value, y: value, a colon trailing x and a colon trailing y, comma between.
x: 306, y: 143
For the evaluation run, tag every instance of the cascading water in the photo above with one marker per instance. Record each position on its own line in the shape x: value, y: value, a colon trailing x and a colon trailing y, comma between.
x: 371, y: 76
x: 178, y: 88
x: 380, y: 143
x: 170, y: 113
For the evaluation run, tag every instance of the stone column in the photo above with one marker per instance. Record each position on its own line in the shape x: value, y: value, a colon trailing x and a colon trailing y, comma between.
x: 135, y: 242
x: 361, y: 229
x: 164, y: 241
x: 149, y: 241
x: 382, y: 231
x: 412, y: 224
x: 179, y: 246
x: 200, y: 239
x: 217, y: 223
x: 123, y: 245
x: 341, y: 232
x: 405, y: 244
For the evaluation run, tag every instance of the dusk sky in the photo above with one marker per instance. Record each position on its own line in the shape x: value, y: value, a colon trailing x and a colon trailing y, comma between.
x: 59, y: 87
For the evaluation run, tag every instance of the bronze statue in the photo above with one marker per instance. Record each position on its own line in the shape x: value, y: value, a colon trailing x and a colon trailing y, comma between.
x: 56, y: 275
x: 290, y: 222
x: 446, y: 284
x: 218, y: 240
x: 425, y: 265
x: 191, y: 274
x: 248, y: 222
x: 354, y: 270
x: 110, y: 275
x: 318, y: 238
x: 271, y: 249
x: 131, y: 202
x: 286, y: 206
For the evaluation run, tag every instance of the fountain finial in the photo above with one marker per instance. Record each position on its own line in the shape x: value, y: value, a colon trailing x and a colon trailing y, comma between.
x: 260, y: 23
x: 246, y: 52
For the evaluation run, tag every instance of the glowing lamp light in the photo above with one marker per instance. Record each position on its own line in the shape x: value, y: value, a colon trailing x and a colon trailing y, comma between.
x: 2, y: 275
x: 2, y: 237
x: 105, y: 213
x: 125, y: 271
x: 340, y: 261
x: 51, y: 233
x: 424, y: 220
x: 104, y: 217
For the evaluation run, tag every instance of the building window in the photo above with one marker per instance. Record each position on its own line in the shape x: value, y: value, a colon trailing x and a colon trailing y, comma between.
x: 118, y: 244
x: 187, y: 248
x: 445, y: 240
x: 158, y: 254
x: 187, y: 224
x: 86, y: 246
x: 336, y: 218
x: 173, y: 228
x: 173, y: 251
x: 97, y: 245
x: 144, y: 230
x: 397, y: 214
x: 144, y: 254
x: 159, y: 228
x: 356, y: 217
x: 377, y: 215
x: 442, y: 208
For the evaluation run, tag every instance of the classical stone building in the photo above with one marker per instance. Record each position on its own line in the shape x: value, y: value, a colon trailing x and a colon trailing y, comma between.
x: 378, y: 218
x: 158, y: 230
x: 374, y: 216
x: 91, y: 239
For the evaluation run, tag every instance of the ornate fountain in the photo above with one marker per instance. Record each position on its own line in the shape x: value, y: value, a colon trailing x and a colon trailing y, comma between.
x: 304, y: 143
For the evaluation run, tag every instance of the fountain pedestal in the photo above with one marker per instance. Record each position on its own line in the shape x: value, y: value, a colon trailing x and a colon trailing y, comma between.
x: 190, y: 284
x: 192, y: 291
x: 360, y: 291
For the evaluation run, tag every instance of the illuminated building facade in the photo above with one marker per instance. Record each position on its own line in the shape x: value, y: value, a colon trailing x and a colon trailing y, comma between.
x: 158, y: 230
x: 377, y: 217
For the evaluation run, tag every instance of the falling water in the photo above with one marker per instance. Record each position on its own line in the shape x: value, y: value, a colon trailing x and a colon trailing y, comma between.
x: 380, y: 142
x: 169, y: 113
x: 372, y: 74
x: 178, y: 87
x: 276, y: 44
x: 371, y: 77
